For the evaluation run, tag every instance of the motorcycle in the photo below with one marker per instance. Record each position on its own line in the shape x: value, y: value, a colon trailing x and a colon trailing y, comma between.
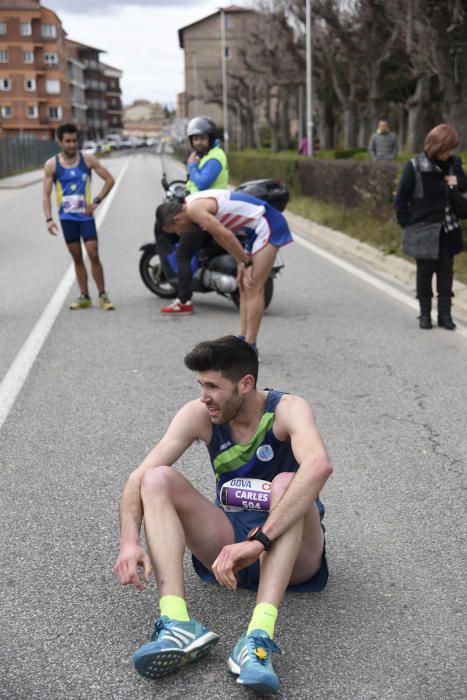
x: 214, y: 270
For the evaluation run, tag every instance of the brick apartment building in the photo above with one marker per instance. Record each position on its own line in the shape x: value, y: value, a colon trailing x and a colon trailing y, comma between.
x: 113, y: 99
x: 46, y: 79
x: 34, y: 85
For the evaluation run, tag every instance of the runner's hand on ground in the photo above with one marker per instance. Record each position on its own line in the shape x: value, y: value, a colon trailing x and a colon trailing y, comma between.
x: 130, y: 558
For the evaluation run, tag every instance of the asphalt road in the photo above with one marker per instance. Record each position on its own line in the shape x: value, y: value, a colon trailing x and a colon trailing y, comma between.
x: 390, y: 401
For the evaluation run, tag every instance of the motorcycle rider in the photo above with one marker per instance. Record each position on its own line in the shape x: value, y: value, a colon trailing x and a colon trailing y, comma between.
x: 207, y: 169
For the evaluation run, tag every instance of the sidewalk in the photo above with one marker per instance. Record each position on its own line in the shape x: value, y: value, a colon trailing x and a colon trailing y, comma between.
x: 23, y: 180
x: 396, y: 270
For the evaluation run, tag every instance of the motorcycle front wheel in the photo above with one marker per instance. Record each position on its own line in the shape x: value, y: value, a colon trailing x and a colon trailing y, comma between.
x: 268, y: 292
x: 154, y: 277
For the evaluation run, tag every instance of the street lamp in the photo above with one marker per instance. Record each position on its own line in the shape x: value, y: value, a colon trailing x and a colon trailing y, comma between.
x: 309, y: 97
x: 224, y: 82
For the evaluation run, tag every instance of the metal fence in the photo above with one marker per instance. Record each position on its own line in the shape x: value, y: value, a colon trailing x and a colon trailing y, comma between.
x: 19, y: 155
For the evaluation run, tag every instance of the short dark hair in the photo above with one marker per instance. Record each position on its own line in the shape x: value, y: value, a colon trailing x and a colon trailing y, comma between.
x: 233, y: 357
x: 165, y: 213
x: 68, y: 128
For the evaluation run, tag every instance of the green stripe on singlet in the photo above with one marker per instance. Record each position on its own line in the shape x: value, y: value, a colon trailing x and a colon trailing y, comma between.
x: 238, y: 455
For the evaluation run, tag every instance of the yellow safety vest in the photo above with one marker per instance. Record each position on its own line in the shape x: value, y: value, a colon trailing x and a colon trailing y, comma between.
x: 222, y: 180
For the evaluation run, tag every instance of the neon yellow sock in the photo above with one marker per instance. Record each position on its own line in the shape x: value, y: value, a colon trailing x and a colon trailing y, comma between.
x: 174, y: 607
x: 264, y: 618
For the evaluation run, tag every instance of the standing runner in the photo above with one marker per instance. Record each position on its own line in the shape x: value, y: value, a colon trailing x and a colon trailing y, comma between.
x: 70, y: 170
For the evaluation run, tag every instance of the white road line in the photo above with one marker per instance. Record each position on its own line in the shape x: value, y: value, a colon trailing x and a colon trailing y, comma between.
x: 17, y: 374
x: 366, y: 277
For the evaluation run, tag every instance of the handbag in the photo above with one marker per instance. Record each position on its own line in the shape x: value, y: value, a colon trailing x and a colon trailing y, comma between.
x: 458, y: 202
x: 421, y: 240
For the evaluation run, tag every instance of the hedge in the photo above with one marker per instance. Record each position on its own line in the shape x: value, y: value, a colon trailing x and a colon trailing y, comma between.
x: 348, y: 182
x: 351, y: 182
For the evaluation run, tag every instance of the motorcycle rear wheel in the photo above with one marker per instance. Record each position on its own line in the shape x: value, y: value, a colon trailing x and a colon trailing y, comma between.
x: 268, y: 292
x: 154, y: 277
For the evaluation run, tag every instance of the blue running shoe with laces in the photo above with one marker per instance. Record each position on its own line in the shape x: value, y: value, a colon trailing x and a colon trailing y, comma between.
x: 250, y: 661
x: 173, y: 644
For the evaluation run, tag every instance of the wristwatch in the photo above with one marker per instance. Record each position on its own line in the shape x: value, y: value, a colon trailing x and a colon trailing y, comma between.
x: 258, y: 534
x: 97, y: 200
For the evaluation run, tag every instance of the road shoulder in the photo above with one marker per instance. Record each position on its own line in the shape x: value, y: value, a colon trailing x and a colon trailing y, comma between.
x: 394, y: 269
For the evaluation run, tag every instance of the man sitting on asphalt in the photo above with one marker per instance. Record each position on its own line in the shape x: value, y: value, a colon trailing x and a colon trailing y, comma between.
x: 207, y: 169
x: 250, y: 435
x: 222, y: 213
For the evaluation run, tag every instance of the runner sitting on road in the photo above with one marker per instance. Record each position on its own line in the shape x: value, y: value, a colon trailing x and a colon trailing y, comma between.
x: 250, y: 434
x: 207, y: 169
x: 71, y: 173
x: 221, y: 213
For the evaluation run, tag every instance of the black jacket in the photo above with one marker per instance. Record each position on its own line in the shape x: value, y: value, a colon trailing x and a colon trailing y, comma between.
x: 430, y: 207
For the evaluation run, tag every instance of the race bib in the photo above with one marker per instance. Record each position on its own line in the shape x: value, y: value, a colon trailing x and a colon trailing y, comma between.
x: 73, y: 204
x: 246, y: 494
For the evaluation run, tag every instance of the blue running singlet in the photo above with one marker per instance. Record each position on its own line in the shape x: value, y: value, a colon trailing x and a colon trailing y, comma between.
x: 73, y: 187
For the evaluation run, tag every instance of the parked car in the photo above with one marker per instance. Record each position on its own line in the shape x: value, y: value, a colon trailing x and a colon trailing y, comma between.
x: 114, y: 140
x: 90, y: 147
x: 127, y: 143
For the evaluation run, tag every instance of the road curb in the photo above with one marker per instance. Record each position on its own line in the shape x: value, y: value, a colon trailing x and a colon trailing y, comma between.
x: 17, y: 182
x: 395, y: 269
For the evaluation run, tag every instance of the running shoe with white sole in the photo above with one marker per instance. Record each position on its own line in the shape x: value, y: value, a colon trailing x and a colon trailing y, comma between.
x: 105, y: 302
x: 178, y: 308
x: 173, y: 644
x: 250, y: 661
x: 82, y: 302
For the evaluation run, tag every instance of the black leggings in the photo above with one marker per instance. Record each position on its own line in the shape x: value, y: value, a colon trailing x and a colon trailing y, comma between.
x: 442, y: 267
x: 190, y: 244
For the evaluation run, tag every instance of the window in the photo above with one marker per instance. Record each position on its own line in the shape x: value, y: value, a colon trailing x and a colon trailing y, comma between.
x: 49, y: 31
x: 32, y: 112
x: 30, y: 84
x: 3, y: 56
x: 25, y: 28
x: 7, y: 112
x: 5, y: 84
x: 28, y: 56
x: 3, y: 28
x: 52, y: 87
x: 51, y: 59
x: 55, y: 112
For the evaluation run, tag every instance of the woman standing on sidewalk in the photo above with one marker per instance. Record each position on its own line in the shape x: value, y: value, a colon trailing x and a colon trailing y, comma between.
x: 431, y: 231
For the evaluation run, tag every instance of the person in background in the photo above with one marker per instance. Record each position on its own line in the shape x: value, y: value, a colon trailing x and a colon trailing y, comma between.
x: 223, y: 214
x: 383, y: 143
x: 207, y: 169
x: 432, y: 233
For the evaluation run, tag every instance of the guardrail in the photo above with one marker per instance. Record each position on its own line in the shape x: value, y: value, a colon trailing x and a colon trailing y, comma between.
x: 18, y: 155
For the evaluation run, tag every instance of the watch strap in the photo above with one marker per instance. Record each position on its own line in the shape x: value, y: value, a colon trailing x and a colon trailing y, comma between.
x: 258, y: 534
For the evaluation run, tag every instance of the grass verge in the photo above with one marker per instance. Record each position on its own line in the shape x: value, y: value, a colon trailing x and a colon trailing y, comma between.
x: 366, y: 227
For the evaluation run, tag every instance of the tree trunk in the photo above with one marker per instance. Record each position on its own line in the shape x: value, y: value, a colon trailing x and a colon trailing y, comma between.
x: 350, y: 125
x: 420, y: 120
x: 284, y: 124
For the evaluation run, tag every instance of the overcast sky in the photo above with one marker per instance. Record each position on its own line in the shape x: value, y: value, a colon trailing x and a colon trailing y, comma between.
x: 139, y: 37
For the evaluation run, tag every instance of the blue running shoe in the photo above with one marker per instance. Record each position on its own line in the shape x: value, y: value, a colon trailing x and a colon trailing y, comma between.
x: 250, y: 661
x: 172, y: 645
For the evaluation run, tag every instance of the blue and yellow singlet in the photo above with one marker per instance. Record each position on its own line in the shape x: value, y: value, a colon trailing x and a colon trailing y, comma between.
x: 73, y: 190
